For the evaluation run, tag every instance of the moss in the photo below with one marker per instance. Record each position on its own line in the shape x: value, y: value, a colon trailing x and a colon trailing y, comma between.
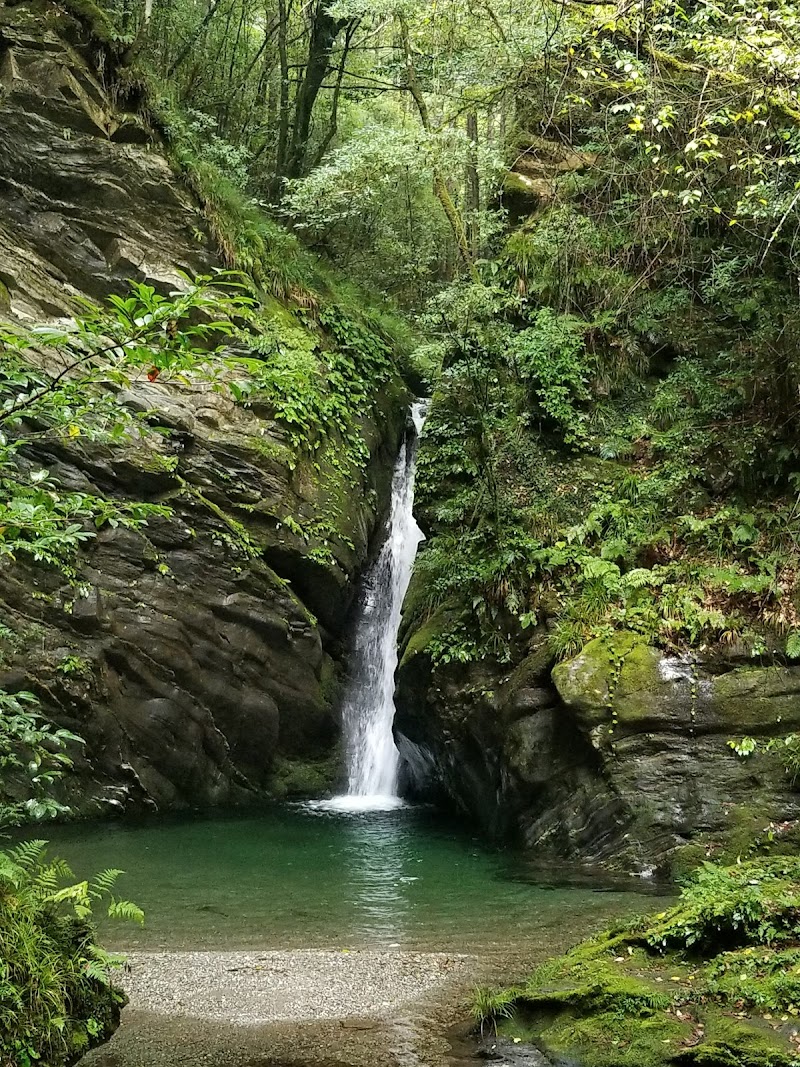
x: 304, y: 778
x: 638, y: 671
x: 686, y: 858
x: 518, y: 184
x: 95, y: 20
x: 602, y: 1040
x: 330, y: 686
x: 532, y: 669
x: 608, y: 1019
x: 271, y: 449
x: 438, y: 624
x: 589, y: 681
x: 692, y: 985
x: 757, y: 698
x: 596, y: 1006
x: 747, y: 834
x: 731, y: 1042
x: 5, y: 299
x: 594, y: 977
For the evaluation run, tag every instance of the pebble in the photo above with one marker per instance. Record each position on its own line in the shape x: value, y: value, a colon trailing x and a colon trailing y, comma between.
x: 257, y: 988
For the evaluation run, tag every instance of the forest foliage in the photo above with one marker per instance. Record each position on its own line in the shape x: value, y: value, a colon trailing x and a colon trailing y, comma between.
x: 589, y: 211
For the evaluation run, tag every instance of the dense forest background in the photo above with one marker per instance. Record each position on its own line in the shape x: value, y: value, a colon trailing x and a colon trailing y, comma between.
x: 574, y: 223
x: 591, y: 210
x: 588, y: 212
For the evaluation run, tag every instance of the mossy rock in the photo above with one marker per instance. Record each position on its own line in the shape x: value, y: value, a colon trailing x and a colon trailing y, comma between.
x: 96, y: 21
x: 305, y: 778
x: 711, y: 981
x: 758, y: 699
x: 425, y: 636
x: 610, y: 677
x: 596, y: 1014
x: 732, y: 1042
x: 624, y: 682
x: 570, y: 1037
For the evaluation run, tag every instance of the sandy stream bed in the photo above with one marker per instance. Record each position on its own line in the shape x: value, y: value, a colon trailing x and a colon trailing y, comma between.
x: 315, y: 1008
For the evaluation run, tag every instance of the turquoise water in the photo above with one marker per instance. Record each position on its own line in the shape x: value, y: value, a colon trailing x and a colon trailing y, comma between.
x: 296, y: 877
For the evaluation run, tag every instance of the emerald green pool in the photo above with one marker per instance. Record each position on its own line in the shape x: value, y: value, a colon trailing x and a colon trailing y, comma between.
x: 296, y: 876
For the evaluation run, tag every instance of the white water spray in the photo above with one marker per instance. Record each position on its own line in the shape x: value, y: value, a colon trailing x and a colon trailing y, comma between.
x: 368, y: 713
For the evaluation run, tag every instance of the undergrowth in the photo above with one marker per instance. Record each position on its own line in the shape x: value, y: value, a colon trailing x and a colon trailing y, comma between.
x: 711, y: 980
x: 57, y: 999
x: 589, y: 469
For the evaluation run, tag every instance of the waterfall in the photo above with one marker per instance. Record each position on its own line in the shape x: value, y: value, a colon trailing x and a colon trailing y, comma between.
x: 368, y: 711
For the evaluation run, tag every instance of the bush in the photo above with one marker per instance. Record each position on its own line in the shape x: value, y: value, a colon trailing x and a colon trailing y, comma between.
x: 56, y: 995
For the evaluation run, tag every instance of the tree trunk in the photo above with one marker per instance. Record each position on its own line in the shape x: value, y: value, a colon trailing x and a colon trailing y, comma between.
x: 283, y: 103
x: 334, y: 122
x: 439, y: 184
x: 324, y: 31
x: 473, y: 185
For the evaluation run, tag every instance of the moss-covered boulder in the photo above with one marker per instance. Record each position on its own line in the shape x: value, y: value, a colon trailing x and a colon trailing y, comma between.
x: 624, y: 683
x: 662, y: 725
x: 620, y: 754
x: 498, y: 746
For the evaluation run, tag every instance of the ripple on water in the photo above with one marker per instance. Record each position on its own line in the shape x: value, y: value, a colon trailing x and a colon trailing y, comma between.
x: 355, y: 804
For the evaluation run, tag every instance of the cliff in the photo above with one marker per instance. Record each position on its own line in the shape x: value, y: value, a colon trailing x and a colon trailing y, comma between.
x: 200, y: 657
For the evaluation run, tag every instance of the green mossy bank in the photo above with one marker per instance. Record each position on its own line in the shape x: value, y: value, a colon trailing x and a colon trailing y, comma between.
x: 713, y: 981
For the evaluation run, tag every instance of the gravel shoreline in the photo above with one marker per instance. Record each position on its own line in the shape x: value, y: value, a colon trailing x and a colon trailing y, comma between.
x: 258, y: 988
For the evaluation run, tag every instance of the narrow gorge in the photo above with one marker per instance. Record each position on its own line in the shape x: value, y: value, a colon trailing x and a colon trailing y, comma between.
x: 399, y: 533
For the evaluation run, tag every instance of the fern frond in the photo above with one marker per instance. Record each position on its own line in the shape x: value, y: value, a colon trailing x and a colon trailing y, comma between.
x: 125, y: 909
x: 793, y: 645
x: 12, y: 876
x: 28, y: 854
x: 636, y: 578
x: 104, y: 882
x: 97, y: 971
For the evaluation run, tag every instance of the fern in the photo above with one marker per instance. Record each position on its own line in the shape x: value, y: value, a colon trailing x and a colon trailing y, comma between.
x: 28, y: 855
x: 637, y: 578
x: 104, y: 882
x: 56, y: 991
x: 124, y: 909
x: 11, y: 874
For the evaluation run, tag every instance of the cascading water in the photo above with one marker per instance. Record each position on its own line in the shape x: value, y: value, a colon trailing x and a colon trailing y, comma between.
x: 372, y: 757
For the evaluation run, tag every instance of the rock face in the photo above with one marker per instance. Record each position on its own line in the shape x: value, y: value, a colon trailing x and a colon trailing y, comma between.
x: 198, y: 659
x: 88, y: 201
x: 619, y: 755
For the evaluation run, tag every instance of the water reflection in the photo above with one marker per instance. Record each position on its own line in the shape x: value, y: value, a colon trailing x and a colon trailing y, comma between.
x: 378, y: 852
x: 302, y: 877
